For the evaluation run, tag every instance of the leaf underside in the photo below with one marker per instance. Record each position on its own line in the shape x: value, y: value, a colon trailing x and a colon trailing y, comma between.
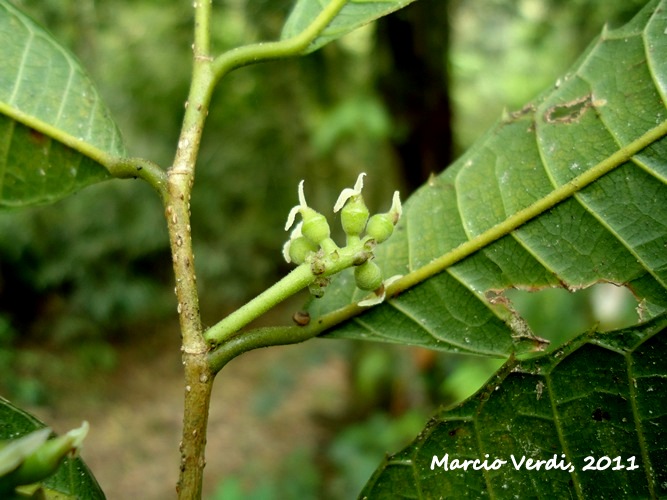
x: 47, y: 105
x: 614, y: 230
x: 354, y: 14
x: 73, y: 478
x: 601, y: 395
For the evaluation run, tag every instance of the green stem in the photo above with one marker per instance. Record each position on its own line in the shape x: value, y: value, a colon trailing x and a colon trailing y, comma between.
x: 298, y: 279
x: 254, y: 339
x: 280, y: 335
x: 251, y: 54
x: 197, y: 374
x: 144, y: 169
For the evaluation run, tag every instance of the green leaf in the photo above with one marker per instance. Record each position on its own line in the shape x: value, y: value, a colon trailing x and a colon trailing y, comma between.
x: 73, y: 478
x: 355, y: 13
x: 601, y: 395
x: 566, y: 192
x: 55, y: 132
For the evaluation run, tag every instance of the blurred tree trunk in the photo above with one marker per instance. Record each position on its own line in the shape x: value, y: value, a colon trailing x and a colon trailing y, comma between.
x: 412, y: 76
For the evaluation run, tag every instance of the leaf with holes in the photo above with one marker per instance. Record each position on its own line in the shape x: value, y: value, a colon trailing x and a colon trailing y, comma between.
x: 355, y: 13
x: 566, y: 192
x: 594, y: 411
x: 55, y: 132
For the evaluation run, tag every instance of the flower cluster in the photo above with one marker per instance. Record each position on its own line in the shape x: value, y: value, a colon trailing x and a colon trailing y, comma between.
x: 310, y: 241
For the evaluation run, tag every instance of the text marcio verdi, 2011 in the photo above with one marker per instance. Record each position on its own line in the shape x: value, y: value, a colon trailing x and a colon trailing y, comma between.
x: 530, y: 464
x: 518, y: 463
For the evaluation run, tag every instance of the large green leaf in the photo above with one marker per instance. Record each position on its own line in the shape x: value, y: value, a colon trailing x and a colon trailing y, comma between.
x: 510, y: 213
x: 54, y: 129
x: 73, y: 478
x: 355, y: 13
x: 601, y: 395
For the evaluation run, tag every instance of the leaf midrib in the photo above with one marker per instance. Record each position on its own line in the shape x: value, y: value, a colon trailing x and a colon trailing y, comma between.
x: 527, y: 214
x: 79, y: 145
x: 51, y: 129
x: 498, y: 231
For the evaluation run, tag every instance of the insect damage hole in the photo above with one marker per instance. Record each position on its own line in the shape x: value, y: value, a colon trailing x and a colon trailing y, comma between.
x: 569, y: 112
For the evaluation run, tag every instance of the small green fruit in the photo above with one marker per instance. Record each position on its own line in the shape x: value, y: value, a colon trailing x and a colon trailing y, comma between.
x: 354, y: 216
x: 300, y: 248
x: 380, y: 227
x: 315, y: 226
x: 368, y: 276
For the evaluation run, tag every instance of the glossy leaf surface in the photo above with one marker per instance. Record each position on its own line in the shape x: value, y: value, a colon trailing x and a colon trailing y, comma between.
x: 601, y: 395
x: 613, y: 230
x: 354, y: 14
x: 54, y: 128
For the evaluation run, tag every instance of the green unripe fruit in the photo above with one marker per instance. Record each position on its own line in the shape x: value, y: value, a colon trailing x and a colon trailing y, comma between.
x: 380, y: 227
x: 368, y: 276
x: 300, y: 248
x: 354, y: 216
x: 315, y: 226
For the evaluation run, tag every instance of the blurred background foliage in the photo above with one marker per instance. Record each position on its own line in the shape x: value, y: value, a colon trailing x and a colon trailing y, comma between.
x: 399, y: 99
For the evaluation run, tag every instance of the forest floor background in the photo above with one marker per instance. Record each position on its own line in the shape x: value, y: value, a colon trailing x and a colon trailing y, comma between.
x: 267, y: 405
